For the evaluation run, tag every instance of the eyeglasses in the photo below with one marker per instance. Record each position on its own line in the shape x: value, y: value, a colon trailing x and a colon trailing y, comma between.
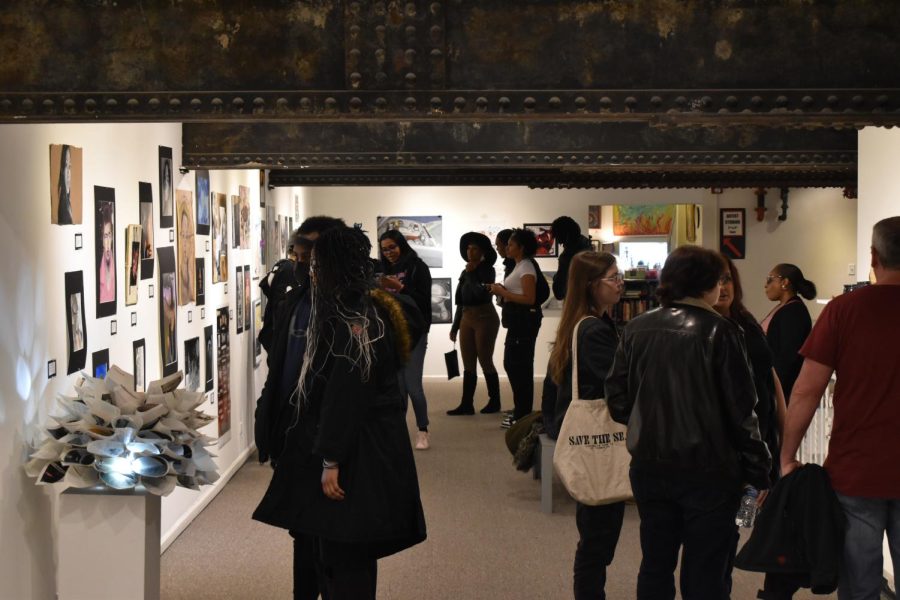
x: 769, y: 278
x: 389, y: 248
x: 617, y: 278
x: 725, y: 279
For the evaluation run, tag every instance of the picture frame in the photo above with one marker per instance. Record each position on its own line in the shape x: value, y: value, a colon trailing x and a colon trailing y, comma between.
x: 547, y: 244
x: 105, y: 280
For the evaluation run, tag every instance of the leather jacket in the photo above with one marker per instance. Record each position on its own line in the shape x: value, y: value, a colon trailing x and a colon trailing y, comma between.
x: 681, y: 382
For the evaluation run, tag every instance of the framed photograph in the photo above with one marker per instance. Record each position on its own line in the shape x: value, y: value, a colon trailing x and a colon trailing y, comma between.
x: 76, y: 324
x: 166, y: 188
x: 192, y: 364
x: 239, y: 298
x: 132, y: 263
x: 223, y: 361
x: 168, y: 317
x: 257, y: 326
x: 424, y: 234
x: 219, y: 239
x: 100, y: 363
x: 200, y: 270
x: 145, y: 195
x: 248, y: 311
x: 105, y: 250
x: 208, y: 356
x: 139, y: 352
x: 113, y: 327
x: 187, y: 264
x: 201, y: 186
x: 441, y: 300
x: 65, y: 184
x: 547, y: 245
x: 79, y: 241
x: 51, y: 369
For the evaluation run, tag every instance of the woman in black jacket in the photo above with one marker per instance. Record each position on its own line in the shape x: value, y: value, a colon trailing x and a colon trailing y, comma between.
x: 594, y: 285
x: 788, y: 324
x: 347, y: 474
x: 476, y: 322
x: 406, y: 273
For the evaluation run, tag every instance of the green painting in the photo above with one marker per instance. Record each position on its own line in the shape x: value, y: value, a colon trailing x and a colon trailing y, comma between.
x: 643, y: 219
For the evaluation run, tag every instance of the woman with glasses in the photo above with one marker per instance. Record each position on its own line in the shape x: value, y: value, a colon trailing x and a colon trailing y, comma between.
x: 788, y: 324
x: 406, y: 273
x: 594, y: 286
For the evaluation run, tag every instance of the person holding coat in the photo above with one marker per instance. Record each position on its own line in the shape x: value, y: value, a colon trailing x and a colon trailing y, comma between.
x: 347, y: 475
x: 476, y: 322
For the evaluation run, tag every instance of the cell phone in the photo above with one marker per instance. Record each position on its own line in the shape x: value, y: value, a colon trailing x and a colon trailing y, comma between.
x: 487, y: 286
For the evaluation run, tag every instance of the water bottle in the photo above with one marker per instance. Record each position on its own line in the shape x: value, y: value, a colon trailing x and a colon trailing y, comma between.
x: 747, y: 510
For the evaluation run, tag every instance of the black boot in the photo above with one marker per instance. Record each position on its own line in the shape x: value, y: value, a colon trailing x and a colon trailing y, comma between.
x: 467, y: 404
x: 493, y: 386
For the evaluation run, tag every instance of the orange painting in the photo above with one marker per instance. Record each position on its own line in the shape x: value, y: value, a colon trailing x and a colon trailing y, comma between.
x: 643, y: 219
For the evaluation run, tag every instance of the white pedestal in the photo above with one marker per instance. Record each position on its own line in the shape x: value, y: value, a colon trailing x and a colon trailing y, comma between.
x: 108, y: 545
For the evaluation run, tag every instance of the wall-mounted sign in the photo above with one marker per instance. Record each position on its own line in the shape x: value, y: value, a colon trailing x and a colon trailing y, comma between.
x: 732, y: 233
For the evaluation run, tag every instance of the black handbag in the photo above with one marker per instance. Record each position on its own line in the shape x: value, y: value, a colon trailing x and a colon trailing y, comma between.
x: 452, y: 360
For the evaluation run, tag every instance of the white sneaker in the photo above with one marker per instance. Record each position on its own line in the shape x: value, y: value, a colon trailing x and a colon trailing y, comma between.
x: 422, y: 440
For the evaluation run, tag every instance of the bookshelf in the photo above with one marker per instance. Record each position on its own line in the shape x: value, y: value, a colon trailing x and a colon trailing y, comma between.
x: 637, y: 298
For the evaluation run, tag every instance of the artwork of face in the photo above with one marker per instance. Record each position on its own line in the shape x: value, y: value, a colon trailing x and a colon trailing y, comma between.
x: 105, y: 253
x: 202, y: 201
x: 65, y: 184
x: 165, y: 192
x: 192, y: 364
x: 75, y: 308
x: 219, y: 239
x: 146, y: 230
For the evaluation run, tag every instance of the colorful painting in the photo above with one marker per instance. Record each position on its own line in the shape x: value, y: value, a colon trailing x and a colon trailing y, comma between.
x: 546, y: 242
x: 643, y: 219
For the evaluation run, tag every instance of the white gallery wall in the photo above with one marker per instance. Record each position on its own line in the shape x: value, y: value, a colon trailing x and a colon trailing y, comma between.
x: 819, y: 234
x: 35, y: 255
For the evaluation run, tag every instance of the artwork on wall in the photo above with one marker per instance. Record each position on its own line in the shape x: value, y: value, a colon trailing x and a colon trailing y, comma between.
x: 166, y: 189
x: 262, y: 244
x: 203, y: 197
x: 132, y: 263
x: 248, y: 311
x: 187, y: 276
x: 220, y: 238
x: 65, y: 185
x: 168, y: 301
x: 441, y: 300
x: 546, y: 242
x: 224, y: 364
x: 424, y: 234
x: 192, y: 364
x: 244, y: 195
x: 145, y: 195
x: 208, y: 358
x: 105, y: 245
x: 76, y: 324
x: 235, y: 221
x: 100, y: 363
x: 239, y: 298
x: 200, y: 269
x: 551, y: 303
x: 257, y: 326
x: 139, y: 355
x: 594, y: 221
x: 643, y: 219
x: 284, y: 236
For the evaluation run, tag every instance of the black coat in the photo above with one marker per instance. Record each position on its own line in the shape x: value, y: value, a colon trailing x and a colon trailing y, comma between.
x: 561, y: 279
x: 416, y: 284
x: 681, y: 382
x: 470, y: 290
x: 788, y: 329
x: 358, y: 422
x: 275, y: 285
x: 799, y: 532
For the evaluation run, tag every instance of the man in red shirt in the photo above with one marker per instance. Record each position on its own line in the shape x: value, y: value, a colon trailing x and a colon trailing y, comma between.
x: 856, y: 337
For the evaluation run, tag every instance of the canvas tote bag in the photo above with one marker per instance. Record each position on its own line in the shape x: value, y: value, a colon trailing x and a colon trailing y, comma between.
x: 591, y: 458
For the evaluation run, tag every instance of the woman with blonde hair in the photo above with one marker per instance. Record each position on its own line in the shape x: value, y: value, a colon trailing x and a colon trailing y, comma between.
x: 594, y: 286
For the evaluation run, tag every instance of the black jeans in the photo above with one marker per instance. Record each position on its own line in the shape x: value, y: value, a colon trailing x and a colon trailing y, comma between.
x: 518, y: 361
x: 598, y: 532
x: 694, y: 516
x: 307, y: 574
x: 347, y: 571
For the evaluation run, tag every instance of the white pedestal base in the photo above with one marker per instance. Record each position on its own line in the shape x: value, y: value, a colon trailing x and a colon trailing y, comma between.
x: 108, y: 545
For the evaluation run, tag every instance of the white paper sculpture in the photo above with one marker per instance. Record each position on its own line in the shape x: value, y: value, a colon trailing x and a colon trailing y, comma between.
x: 109, y: 435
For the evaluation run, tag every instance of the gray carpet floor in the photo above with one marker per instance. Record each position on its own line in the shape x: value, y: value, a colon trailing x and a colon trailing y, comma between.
x: 487, y: 538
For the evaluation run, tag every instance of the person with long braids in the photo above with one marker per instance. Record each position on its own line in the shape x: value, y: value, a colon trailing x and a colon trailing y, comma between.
x: 347, y: 474
x: 593, y: 285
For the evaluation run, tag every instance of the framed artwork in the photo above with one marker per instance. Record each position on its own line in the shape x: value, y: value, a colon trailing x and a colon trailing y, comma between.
x: 166, y: 189
x: 262, y: 244
x: 223, y: 360
x: 244, y: 195
x: 594, y: 221
x: 168, y: 317
x: 132, y: 263
x: 643, y: 219
x: 220, y: 238
x: 105, y: 246
x: 192, y: 364
x: 257, y: 326
x: 65, y: 184
x: 76, y: 324
x: 547, y: 245
x: 187, y: 276
x: 200, y: 269
x: 552, y: 303
x: 248, y: 311
x: 100, y: 363
x: 139, y: 359
x: 424, y: 234
x: 239, y: 298
x: 208, y: 362
x: 441, y: 300
x: 235, y: 221
x: 201, y: 186
x: 145, y: 194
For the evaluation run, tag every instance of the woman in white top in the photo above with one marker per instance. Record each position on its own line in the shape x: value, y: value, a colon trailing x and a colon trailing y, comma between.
x: 522, y: 318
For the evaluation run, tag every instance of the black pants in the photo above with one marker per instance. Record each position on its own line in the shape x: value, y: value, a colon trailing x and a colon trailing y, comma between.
x: 694, y: 516
x: 347, y: 570
x: 307, y: 577
x: 598, y: 534
x: 518, y: 361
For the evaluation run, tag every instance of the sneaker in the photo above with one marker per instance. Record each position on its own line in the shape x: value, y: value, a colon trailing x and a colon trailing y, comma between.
x: 422, y: 440
x: 507, y: 422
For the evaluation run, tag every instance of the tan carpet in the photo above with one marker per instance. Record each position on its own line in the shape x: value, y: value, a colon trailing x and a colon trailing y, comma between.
x: 487, y: 538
